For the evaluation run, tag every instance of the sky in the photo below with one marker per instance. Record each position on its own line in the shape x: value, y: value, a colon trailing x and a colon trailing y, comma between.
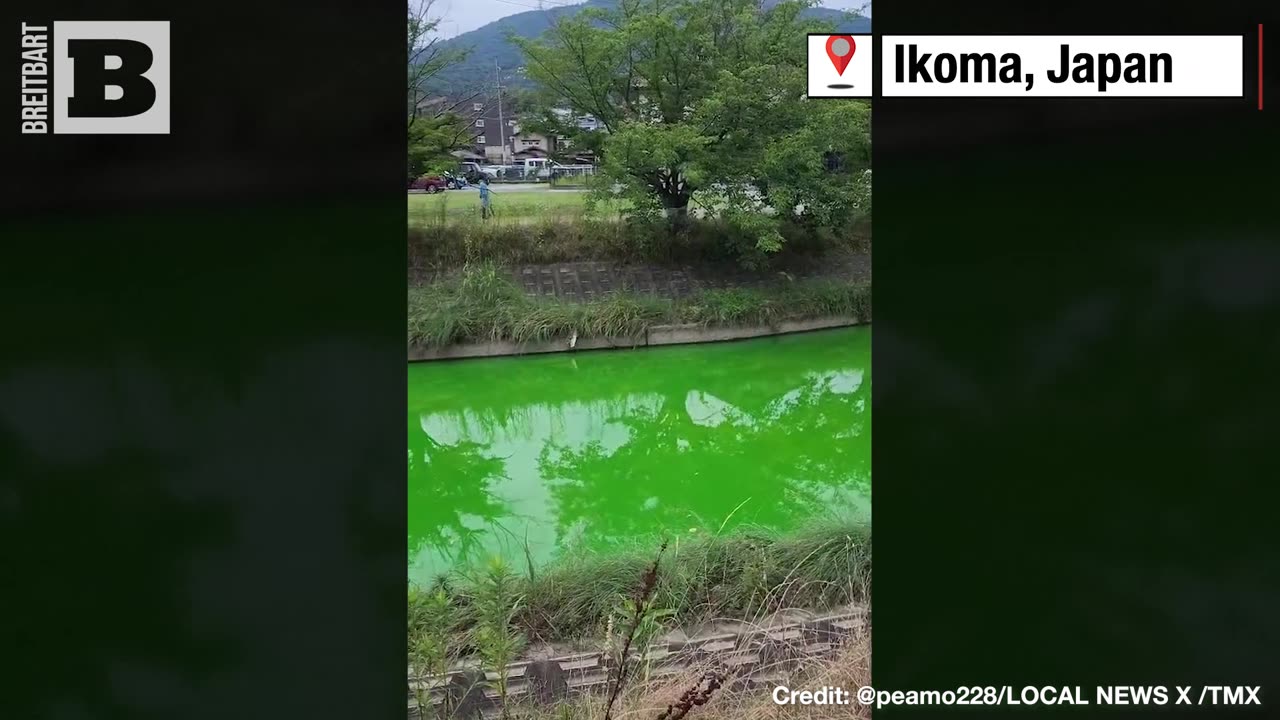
x: 459, y: 16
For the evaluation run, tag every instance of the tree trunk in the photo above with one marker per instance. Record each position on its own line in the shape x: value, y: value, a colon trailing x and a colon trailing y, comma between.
x: 674, y: 194
x: 676, y: 208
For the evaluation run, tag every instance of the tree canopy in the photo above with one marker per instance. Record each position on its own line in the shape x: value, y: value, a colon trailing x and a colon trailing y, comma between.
x: 703, y: 103
x: 434, y: 130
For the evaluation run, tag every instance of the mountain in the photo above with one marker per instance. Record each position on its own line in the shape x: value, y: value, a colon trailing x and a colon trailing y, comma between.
x: 490, y: 49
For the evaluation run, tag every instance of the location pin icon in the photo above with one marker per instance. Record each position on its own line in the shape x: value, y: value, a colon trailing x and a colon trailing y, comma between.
x: 840, y: 49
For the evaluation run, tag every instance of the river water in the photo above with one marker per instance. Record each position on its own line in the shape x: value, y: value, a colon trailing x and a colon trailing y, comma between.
x: 529, y: 457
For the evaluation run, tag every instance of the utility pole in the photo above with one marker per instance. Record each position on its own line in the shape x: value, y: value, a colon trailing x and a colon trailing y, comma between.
x: 502, y: 124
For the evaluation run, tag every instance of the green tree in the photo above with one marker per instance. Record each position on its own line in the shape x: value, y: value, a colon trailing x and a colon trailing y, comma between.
x: 434, y: 128
x: 703, y: 104
x: 432, y: 139
x: 427, y: 58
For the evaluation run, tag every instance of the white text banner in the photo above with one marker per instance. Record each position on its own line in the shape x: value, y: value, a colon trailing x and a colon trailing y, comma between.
x: 1062, y: 66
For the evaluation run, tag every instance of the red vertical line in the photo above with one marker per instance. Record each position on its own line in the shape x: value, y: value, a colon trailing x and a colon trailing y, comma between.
x: 1259, y: 66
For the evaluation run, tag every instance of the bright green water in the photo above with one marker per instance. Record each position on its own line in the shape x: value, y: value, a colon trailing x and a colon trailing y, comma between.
x: 607, y: 449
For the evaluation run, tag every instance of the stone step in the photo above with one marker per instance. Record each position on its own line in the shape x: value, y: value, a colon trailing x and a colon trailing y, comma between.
x: 718, y: 646
x: 580, y: 663
x: 785, y: 635
x: 594, y: 678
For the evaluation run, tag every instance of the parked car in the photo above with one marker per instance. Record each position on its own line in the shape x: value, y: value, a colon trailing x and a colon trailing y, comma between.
x: 506, y: 172
x: 474, y: 173
x: 543, y: 171
x: 429, y: 184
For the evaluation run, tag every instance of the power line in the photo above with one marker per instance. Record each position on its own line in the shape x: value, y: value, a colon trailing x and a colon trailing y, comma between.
x: 509, y: 2
x: 535, y: 7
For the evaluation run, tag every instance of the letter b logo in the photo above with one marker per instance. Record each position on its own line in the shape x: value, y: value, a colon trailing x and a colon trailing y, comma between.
x: 111, y: 78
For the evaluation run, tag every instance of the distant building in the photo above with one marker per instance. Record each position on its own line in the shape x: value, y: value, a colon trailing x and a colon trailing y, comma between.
x: 526, y: 145
x: 499, y: 140
x: 584, y: 122
x: 469, y: 156
x: 489, y: 138
x: 490, y: 132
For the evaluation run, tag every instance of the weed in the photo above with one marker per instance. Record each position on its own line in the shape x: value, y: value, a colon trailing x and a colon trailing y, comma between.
x: 633, y: 596
x: 496, y: 603
x: 652, y: 624
x: 430, y: 624
x: 445, y: 246
x: 640, y: 607
x: 695, y: 696
x: 624, y: 315
x: 690, y: 694
x: 741, y: 574
x: 482, y: 304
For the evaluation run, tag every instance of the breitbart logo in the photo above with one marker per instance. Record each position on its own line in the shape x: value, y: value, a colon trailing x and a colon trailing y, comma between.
x: 95, y: 78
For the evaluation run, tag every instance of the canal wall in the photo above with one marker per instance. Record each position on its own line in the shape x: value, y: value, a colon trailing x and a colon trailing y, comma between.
x: 657, y: 335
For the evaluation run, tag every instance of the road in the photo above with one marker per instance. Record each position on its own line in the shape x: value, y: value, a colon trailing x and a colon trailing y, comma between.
x: 520, y: 188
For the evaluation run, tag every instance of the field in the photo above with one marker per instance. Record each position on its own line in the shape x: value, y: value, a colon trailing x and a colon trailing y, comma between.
x: 510, y: 203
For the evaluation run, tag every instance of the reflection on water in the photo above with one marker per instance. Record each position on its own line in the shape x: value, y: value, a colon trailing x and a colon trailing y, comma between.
x: 607, y: 449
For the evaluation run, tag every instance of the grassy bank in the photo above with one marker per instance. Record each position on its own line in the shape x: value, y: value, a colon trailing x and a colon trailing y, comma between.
x: 483, y: 304
x: 742, y: 575
x: 622, y: 602
x: 512, y: 204
x: 443, y: 246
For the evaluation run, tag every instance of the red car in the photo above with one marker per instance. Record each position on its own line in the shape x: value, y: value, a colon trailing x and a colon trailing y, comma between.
x: 429, y: 183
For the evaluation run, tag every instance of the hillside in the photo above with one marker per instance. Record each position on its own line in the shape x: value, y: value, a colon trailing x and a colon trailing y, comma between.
x: 489, y: 44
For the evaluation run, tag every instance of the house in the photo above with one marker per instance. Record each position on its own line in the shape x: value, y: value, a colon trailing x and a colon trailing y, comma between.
x: 527, y: 145
x: 469, y: 156
x: 496, y: 138
x: 570, y: 155
x: 536, y: 145
x: 490, y: 130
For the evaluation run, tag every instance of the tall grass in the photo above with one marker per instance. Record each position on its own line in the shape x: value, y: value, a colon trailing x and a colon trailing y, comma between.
x: 483, y: 304
x: 512, y: 204
x: 441, y: 245
x: 640, y: 629
x: 741, y: 575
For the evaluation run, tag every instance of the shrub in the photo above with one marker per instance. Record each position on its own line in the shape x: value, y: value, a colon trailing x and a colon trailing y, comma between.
x: 447, y: 246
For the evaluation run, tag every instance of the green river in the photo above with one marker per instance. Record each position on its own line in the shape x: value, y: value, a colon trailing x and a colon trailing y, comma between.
x: 607, y: 449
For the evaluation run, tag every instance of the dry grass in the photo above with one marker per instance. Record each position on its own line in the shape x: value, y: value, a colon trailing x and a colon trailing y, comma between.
x: 848, y: 668
x: 746, y: 583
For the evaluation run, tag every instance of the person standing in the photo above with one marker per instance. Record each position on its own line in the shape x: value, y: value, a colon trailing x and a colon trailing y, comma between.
x: 485, y: 210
